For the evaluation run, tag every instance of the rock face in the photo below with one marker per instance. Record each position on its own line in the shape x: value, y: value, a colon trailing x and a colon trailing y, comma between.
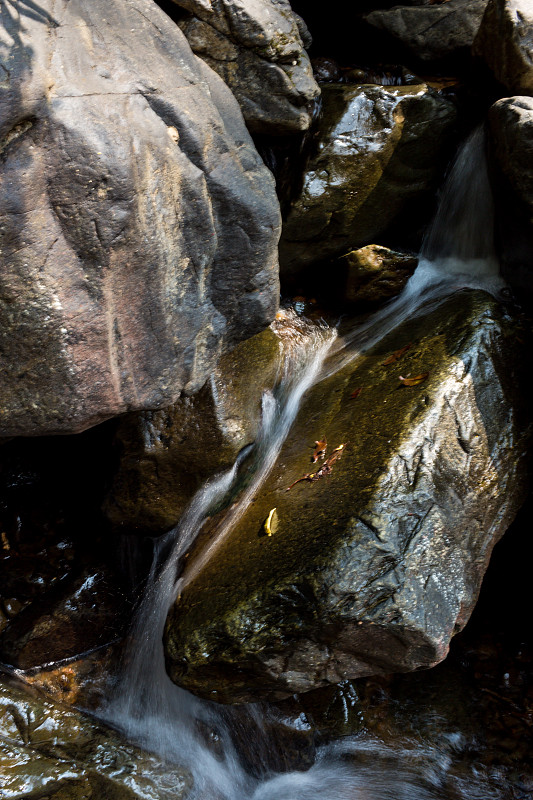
x: 257, y: 48
x: 432, y: 32
x: 374, y: 274
x: 378, y: 147
x: 511, y: 149
x: 168, y: 454
x: 53, y: 752
x: 372, y: 569
x: 505, y: 43
x: 139, y: 225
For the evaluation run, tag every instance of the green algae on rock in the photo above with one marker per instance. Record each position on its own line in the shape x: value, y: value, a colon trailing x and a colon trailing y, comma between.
x: 47, y: 750
x: 378, y: 148
x: 167, y: 454
x: 375, y: 567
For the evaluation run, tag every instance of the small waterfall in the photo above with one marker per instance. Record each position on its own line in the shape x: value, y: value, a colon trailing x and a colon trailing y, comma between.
x: 457, y: 253
x: 147, y: 706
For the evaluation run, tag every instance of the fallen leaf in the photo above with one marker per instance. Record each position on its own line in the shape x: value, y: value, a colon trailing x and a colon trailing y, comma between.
x: 325, y: 469
x: 397, y: 354
x: 414, y: 381
x: 320, y: 450
x: 270, y: 525
x: 355, y: 394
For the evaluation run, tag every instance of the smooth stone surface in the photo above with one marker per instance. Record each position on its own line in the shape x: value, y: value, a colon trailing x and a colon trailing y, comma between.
x: 505, y: 43
x: 257, y: 48
x: 378, y: 147
x: 374, y: 274
x: 373, y: 568
x: 47, y: 750
x: 432, y: 32
x: 166, y: 455
x: 511, y: 157
x: 139, y: 224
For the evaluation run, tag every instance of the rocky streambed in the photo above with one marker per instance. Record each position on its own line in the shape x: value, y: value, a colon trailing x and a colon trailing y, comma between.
x: 306, y: 491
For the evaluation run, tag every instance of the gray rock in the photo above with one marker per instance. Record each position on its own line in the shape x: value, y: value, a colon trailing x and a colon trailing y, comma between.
x: 257, y: 49
x: 378, y: 147
x: 432, y: 32
x: 511, y: 151
x: 47, y: 750
x: 374, y: 568
x: 166, y: 455
x: 505, y: 43
x: 139, y: 225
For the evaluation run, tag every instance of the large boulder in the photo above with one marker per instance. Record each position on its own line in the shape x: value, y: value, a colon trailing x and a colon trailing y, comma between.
x: 373, y: 568
x: 511, y: 152
x: 139, y: 225
x: 505, y: 43
x: 49, y: 751
x: 257, y: 48
x: 378, y: 147
x: 166, y: 455
x: 432, y: 32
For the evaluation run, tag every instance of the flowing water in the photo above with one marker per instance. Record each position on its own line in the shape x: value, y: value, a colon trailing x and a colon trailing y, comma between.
x: 458, y: 252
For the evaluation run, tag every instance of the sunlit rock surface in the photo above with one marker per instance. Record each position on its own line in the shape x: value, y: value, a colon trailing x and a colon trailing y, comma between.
x: 432, y: 32
x: 378, y: 147
x: 166, y: 455
x: 505, y: 43
x: 47, y: 750
x: 373, y: 568
x: 511, y: 150
x: 257, y: 48
x: 139, y: 225
x: 374, y: 274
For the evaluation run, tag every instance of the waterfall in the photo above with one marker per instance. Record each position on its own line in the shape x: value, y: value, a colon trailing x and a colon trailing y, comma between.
x: 146, y: 705
x: 458, y: 252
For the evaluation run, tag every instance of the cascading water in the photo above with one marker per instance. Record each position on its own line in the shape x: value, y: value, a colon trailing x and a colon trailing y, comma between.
x: 457, y: 253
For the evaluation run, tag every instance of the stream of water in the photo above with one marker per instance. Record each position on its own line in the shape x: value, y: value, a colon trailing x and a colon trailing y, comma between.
x: 458, y: 252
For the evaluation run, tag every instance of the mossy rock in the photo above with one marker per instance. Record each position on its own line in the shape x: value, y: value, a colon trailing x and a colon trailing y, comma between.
x: 373, y: 568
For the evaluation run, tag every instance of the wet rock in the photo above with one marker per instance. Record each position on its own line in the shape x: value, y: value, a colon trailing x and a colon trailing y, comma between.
x: 50, y: 751
x: 326, y: 69
x: 168, y: 454
x: 511, y: 151
x: 139, y: 225
x: 258, y: 50
x: 81, y: 614
x: 505, y: 43
x: 432, y: 32
x: 375, y: 274
x: 373, y: 568
x: 378, y: 148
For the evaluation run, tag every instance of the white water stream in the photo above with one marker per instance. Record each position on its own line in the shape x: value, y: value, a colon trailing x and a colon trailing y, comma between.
x: 458, y: 252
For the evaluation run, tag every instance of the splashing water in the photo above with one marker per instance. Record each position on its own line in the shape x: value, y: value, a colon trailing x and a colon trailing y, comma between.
x: 458, y: 252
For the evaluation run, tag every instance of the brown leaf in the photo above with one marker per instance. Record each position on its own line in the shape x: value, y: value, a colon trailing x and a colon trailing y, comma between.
x: 355, y: 394
x: 325, y: 469
x: 414, y: 381
x: 320, y: 450
x: 397, y: 354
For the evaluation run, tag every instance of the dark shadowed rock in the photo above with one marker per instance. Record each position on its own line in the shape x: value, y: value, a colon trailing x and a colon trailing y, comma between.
x: 166, y: 455
x: 49, y: 751
x: 257, y: 48
x: 139, y: 225
x: 511, y: 151
x: 378, y: 147
x: 372, y: 569
x: 505, y: 43
x: 374, y: 274
x: 432, y: 32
